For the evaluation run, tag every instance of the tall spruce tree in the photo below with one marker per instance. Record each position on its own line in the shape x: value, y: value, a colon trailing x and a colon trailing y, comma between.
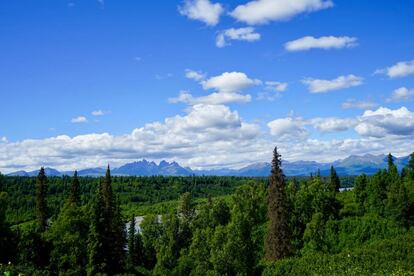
x: 97, y: 257
x: 278, y: 240
x: 132, y: 254
x: 334, y: 180
x: 41, y: 206
x: 392, y: 169
x: 107, y: 237
x: 74, y: 191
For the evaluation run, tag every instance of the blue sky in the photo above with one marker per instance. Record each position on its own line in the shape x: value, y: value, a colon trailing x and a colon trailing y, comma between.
x: 345, y: 86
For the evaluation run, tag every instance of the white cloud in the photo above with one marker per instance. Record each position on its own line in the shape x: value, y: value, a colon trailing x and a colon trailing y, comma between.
x: 229, y: 82
x: 194, y: 75
x: 324, y: 42
x: 202, y: 10
x: 213, y: 98
x: 323, y: 86
x: 332, y: 124
x: 205, y: 132
x: 263, y: 11
x: 215, y: 136
x: 276, y: 86
x: 245, y: 34
x: 228, y: 87
x: 401, y: 94
x: 401, y: 69
x: 384, y: 122
x: 97, y: 113
x: 4, y: 139
x: 288, y: 129
x: 351, y: 103
x: 79, y: 119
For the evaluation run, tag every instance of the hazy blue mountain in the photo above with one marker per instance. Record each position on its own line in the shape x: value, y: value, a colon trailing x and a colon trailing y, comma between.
x: 146, y: 168
x: 48, y: 172
x: 18, y: 173
x: 90, y: 172
x: 352, y: 165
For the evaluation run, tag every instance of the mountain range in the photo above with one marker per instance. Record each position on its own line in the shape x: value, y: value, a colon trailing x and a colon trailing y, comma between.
x: 352, y: 165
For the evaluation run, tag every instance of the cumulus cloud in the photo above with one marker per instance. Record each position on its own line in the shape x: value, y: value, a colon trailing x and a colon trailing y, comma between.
x: 323, y: 86
x: 230, y: 82
x: 332, y: 124
x: 228, y: 89
x: 352, y: 103
x: 263, y: 11
x: 79, y: 119
x: 209, y: 136
x: 401, y: 94
x: 401, y: 69
x: 384, y: 122
x: 245, y: 34
x: 202, y: 10
x: 204, y: 132
x: 194, y: 75
x: 288, y: 129
x: 324, y: 42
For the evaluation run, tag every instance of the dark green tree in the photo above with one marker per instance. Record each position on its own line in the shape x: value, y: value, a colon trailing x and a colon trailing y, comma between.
x: 74, y: 191
x: 107, y: 237
x: 335, y: 182
x: 97, y: 257
x: 41, y: 207
x: 278, y: 240
x: 360, y: 192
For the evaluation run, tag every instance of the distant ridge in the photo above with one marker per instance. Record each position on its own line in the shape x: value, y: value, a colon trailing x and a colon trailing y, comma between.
x: 352, y: 165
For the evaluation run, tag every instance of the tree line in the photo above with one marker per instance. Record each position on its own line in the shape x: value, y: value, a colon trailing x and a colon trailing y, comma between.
x: 269, y: 227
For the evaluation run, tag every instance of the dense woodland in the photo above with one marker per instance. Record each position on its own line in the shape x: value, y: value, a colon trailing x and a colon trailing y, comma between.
x: 209, y: 225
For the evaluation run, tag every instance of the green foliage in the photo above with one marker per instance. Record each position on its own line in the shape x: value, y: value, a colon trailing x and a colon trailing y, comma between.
x: 41, y: 208
x: 68, y: 236
x: 7, y: 238
x: 278, y: 239
x: 151, y: 229
x: 193, y: 226
x: 335, y: 182
x: 106, y: 238
x: 394, y: 256
x: 360, y: 191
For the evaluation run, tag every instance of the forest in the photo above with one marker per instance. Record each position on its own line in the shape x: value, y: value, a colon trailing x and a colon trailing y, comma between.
x: 209, y: 225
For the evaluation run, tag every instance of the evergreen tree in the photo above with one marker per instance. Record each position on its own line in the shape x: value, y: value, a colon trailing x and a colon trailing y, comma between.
x: 41, y: 207
x: 107, y: 237
x: 97, y: 256
x: 360, y: 192
x: 278, y: 240
x: 132, y: 254
x: 74, y: 191
x: 393, y: 175
x: 335, y: 182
